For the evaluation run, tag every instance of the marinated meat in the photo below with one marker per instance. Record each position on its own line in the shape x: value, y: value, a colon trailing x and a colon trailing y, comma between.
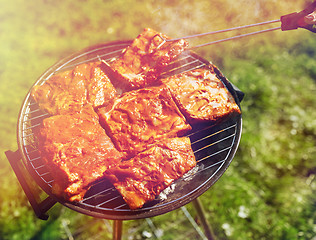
x: 142, y: 61
x: 54, y: 96
x: 142, y: 178
x: 141, y: 117
x: 77, y: 151
x: 68, y: 91
x: 201, y: 96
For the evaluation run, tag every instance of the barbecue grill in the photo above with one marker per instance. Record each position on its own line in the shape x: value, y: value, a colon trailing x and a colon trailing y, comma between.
x: 214, y: 147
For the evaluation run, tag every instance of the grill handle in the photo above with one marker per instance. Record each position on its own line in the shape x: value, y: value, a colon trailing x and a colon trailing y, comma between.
x: 40, y: 207
x: 240, y: 94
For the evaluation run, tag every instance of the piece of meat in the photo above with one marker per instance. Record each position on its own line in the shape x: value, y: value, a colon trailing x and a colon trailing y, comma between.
x: 77, y: 152
x: 141, y: 117
x: 69, y: 91
x: 142, y: 61
x: 140, y: 179
x: 54, y: 96
x: 201, y: 95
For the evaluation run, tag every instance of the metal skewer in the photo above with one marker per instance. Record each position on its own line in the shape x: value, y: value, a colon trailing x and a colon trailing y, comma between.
x: 235, y: 37
x: 223, y: 31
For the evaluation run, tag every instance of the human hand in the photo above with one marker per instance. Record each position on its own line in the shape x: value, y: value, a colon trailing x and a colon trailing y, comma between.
x: 310, y: 18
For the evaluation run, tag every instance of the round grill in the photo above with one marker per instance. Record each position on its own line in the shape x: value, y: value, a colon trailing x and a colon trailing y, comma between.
x: 214, y: 146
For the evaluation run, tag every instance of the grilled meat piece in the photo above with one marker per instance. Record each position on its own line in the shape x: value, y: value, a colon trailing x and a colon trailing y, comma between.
x: 141, y: 117
x: 77, y: 151
x: 140, y: 179
x: 201, y: 96
x: 68, y: 91
x: 142, y: 61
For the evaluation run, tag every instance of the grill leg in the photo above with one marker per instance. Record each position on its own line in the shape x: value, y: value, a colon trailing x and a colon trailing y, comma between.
x: 200, y: 211
x: 117, y: 229
x: 40, y: 207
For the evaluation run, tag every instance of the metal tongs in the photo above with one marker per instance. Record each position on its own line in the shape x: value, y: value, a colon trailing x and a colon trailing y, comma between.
x: 288, y: 22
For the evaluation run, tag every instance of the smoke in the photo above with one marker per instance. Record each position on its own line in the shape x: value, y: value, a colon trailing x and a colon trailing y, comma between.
x: 183, y: 18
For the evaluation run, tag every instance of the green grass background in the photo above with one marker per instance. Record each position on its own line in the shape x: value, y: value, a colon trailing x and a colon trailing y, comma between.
x: 268, y: 192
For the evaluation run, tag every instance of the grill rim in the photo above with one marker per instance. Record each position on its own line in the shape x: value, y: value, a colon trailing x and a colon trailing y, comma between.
x: 128, y: 214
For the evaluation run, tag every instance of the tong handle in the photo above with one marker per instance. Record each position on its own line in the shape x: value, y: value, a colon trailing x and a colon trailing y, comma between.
x: 298, y: 19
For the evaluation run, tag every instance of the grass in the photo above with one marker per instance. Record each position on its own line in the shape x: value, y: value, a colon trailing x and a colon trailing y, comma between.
x: 268, y: 192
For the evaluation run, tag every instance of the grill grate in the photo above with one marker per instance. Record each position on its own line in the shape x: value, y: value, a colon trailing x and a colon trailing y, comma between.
x: 213, y: 146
